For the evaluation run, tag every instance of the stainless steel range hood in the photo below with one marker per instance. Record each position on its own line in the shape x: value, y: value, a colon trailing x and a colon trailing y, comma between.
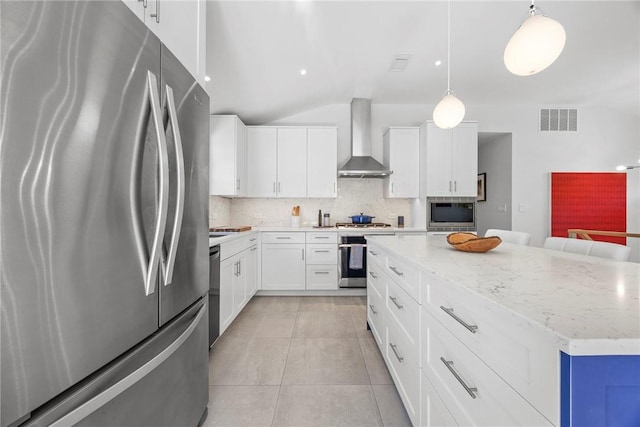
x: 361, y: 164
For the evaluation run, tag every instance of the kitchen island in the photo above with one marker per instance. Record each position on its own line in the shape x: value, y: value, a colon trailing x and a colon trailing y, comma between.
x: 558, y: 334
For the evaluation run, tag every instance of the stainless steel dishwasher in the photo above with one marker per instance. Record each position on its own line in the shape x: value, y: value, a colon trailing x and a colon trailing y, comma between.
x: 214, y: 294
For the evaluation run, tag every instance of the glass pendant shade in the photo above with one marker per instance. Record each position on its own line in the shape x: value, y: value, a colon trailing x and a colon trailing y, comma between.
x: 534, y: 46
x: 449, y: 112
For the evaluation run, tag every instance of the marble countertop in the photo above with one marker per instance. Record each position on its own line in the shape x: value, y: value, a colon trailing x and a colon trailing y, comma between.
x: 225, y: 238
x: 590, y: 305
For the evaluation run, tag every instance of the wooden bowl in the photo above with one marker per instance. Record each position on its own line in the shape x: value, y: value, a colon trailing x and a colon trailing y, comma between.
x: 469, y: 242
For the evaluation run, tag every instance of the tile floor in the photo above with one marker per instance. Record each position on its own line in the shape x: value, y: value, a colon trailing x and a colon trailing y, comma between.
x: 301, y: 361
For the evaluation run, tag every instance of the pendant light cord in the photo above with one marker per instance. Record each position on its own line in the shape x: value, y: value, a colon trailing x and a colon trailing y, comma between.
x: 449, y: 47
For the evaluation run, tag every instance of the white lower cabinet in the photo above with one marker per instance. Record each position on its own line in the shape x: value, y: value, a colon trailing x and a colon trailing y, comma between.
x: 238, y: 277
x: 404, y: 371
x: 283, y: 266
x: 322, y: 277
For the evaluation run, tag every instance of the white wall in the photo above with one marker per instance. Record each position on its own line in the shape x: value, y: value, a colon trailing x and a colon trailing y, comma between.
x: 494, y: 159
x: 604, y: 140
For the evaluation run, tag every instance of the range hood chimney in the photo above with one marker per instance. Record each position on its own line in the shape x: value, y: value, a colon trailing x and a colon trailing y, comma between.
x: 361, y: 164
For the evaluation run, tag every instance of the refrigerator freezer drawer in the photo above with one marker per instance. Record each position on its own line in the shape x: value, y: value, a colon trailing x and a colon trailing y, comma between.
x: 162, y: 382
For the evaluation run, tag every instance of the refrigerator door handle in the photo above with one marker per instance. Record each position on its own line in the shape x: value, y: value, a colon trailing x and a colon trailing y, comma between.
x: 169, y: 264
x: 82, y: 411
x: 151, y: 275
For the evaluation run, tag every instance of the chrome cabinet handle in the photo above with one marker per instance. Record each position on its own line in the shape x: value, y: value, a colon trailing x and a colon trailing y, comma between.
x: 395, y: 270
x: 320, y: 272
x: 157, y: 14
x: 253, y: 240
x: 449, y: 311
x: 169, y: 265
x: 151, y: 274
x: 455, y: 186
x: 395, y: 351
x: 395, y: 301
x: 334, y: 188
x: 373, y: 309
x: 240, y: 268
x: 283, y: 237
x: 144, y: 3
x: 237, y: 184
x: 372, y: 274
x: 322, y: 251
x: 303, y: 254
x: 449, y: 186
x: 274, y: 187
x: 449, y: 364
x: 279, y: 190
x: 253, y: 249
x: 321, y: 237
x: 374, y: 253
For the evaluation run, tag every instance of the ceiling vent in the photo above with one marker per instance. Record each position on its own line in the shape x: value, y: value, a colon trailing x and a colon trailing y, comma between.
x: 400, y: 62
x: 558, y: 120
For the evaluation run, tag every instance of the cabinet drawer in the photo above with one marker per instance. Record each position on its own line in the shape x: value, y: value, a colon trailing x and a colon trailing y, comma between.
x: 473, y: 393
x: 405, y: 275
x: 322, y: 276
x: 433, y: 411
x: 402, y: 310
x: 229, y: 249
x: 322, y: 237
x: 375, y: 314
x: 375, y: 278
x: 295, y: 237
x: 376, y: 256
x: 523, y: 356
x: 322, y: 254
x: 405, y: 372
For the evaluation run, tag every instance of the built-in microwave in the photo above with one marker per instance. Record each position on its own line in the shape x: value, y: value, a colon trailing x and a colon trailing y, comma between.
x: 451, y: 214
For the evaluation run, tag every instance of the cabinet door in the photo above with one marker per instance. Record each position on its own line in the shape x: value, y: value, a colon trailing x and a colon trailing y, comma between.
x: 283, y: 267
x: 240, y: 284
x: 228, y: 273
x: 438, y: 159
x: 180, y: 26
x: 322, y: 162
x: 292, y: 162
x: 465, y: 160
x: 241, y: 159
x: 222, y: 155
x: 251, y: 272
x: 261, y: 161
x: 402, y: 156
x: 433, y: 412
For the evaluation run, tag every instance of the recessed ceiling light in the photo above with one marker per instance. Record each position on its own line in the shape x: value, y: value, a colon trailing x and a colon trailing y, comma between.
x: 207, y: 78
x: 303, y: 72
x: 438, y: 63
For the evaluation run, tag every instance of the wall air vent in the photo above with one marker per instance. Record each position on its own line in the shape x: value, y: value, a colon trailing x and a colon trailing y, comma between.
x: 558, y: 120
x: 400, y: 62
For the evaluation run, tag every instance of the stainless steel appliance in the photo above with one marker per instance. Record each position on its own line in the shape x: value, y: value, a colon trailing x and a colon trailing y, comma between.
x: 103, y: 227
x: 451, y: 214
x: 352, y: 253
x: 214, y: 294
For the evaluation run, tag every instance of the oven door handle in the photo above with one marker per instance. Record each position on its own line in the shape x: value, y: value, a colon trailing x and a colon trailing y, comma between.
x: 347, y: 245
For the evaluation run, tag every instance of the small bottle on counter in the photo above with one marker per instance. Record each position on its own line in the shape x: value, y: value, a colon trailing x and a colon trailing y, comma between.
x: 319, y: 218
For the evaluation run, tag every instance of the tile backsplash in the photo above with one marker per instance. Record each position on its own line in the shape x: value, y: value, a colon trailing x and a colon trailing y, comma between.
x: 354, y: 196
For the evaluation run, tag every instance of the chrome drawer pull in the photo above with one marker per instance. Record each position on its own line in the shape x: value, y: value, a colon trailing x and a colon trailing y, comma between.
x: 394, y: 347
x: 372, y: 309
x: 449, y: 364
x: 347, y: 245
x: 374, y: 253
x: 395, y: 270
x: 283, y: 238
x: 449, y: 311
x: 321, y: 237
x: 372, y: 274
x: 323, y: 251
x: 395, y: 301
x: 320, y: 272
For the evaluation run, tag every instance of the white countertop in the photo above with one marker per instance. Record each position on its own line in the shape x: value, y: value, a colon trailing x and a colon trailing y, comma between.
x: 230, y: 237
x: 590, y: 305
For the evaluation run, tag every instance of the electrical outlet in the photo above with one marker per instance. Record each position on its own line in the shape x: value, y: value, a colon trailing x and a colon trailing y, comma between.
x: 257, y: 215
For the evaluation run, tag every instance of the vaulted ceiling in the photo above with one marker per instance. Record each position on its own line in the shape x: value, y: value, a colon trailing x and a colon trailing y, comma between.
x: 255, y: 50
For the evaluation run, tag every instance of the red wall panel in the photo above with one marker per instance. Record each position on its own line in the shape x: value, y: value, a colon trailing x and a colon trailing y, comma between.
x: 589, y: 200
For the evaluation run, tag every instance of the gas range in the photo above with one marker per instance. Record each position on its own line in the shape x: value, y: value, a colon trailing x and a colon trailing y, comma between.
x: 370, y: 225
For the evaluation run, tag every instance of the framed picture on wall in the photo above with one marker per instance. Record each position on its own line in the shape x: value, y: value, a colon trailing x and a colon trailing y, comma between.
x: 482, y: 187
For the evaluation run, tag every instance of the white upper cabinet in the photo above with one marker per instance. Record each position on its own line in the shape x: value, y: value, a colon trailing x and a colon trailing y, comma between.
x: 322, y: 162
x: 181, y: 26
x: 262, y: 167
x: 292, y: 162
x: 227, y: 156
x: 451, y: 159
x: 401, y: 154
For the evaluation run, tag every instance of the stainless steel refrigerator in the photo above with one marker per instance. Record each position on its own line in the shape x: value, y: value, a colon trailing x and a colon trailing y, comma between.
x: 103, y: 216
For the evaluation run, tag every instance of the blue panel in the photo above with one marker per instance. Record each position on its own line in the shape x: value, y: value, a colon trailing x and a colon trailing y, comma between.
x: 600, y: 391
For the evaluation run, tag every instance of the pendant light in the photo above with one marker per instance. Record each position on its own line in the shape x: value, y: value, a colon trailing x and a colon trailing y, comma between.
x: 535, y: 45
x: 450, y: 110
x: 625, y: 168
